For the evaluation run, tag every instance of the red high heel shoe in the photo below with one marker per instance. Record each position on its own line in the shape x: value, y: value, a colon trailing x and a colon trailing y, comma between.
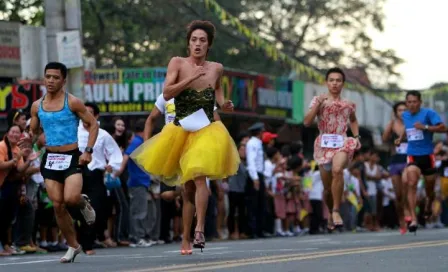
x: 403, y: 231
x: 188, y: 251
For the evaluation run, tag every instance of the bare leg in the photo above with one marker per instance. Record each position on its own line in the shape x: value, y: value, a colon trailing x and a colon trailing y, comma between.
x: 399, y: 204
x: 56, y: 194
x: 405, y: 187
x: 430, y: 182
x: 328, y: 197
x: 337, y: 187
x: 187, y: 213
x: 221, y: 211
x: 202, y: 195
x: 413, y: 174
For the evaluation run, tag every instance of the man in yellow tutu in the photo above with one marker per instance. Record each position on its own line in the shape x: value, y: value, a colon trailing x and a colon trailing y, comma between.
x: 194, y: 146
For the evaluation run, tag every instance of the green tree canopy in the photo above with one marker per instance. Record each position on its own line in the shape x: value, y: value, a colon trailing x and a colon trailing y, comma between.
x: 321, y: 33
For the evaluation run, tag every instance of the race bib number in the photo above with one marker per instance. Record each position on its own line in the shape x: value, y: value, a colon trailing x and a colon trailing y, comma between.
x: 58, y: 162
x: 445, y: 172
x: 402, y: 148
x: 332, y: 141
x: 414, y: 134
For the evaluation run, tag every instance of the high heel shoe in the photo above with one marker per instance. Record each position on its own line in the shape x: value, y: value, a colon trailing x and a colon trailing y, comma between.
x: 339, y: 225
x: 199, y: 240
x: 71, y: 254
x: 408, y: 220
x: 413, y: 228
x: 188, y: 251
x: 330, y: 225
x: 403, y: 231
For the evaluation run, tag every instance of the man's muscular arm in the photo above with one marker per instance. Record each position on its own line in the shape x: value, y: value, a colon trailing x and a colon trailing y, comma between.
x: 79, y: 109
x: 225, y: 105
x: 218, y: 89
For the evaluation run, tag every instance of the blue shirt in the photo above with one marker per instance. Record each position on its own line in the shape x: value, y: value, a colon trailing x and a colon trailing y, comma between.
x: 137, y: 177
x: 420, y: 142
x: 60, y: 127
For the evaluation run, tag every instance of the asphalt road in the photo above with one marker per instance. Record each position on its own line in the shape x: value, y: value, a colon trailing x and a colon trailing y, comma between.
x: 383, y: 251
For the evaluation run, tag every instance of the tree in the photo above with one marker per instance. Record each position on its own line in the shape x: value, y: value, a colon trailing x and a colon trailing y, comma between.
x: 321, y: 33
x: 325, y: 33
x: 29, y: 12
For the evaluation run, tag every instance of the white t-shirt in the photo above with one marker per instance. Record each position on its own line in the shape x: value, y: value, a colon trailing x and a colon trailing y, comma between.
x: 371, y: 184
x: 269, y: 177
x: 316, y: 192
x: 388, y: 191
x: 350, y: 180
x: 167, y: 108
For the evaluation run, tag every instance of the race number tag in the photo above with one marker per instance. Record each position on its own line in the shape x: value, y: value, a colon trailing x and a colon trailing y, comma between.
x: 402, y: 148
x: 414, y: 134
x: 58, y: 162
x: 332, y: 141
x: 445, y: 172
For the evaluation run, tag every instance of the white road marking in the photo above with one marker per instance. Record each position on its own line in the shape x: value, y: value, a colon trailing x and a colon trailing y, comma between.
x: 207, y: 248
x: 145, y: 257
x: 31, y: 262
x: 113, y: 256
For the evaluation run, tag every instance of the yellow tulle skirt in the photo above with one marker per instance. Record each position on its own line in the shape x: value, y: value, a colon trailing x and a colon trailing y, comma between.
x: 176, y: 156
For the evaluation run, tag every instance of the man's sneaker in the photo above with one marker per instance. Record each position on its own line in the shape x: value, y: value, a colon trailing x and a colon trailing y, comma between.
x: 88, y: 212
x: 70, y: 256
x: 141, y: 243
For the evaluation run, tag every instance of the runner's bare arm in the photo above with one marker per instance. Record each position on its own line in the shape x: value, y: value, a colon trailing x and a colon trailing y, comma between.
x: 216, y: 116
x: 312, y: 113
x: 35, y: 123
x: 401, y: 135
x: 354, y: 126
x: 79, y: 109
x: 219, y: 92
x: 173, y: 89
x: 149, y: 124
x: 388, y: 131
x: 439, y: 128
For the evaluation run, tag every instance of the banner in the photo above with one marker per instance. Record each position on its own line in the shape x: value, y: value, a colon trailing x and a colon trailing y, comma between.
x: 274, y: 97
x: 16, y: 96
x: 298, y: 110
x: 124, y: 91
x: 241, y: 88
x: 134, y: 91
x: 10, y: 65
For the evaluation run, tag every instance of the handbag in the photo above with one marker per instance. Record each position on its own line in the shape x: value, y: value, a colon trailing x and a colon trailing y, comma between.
x: 111, y: 181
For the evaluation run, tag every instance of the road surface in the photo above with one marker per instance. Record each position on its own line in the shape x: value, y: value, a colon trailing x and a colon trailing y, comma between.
x: 382, y: 251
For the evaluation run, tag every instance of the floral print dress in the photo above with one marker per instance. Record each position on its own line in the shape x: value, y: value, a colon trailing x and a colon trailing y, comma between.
x: 332, y: 118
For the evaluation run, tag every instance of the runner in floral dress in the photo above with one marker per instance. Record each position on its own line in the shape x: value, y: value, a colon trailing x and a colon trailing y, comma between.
x: 332, y: 148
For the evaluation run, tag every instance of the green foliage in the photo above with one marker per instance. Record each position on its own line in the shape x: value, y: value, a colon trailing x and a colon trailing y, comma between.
x: 322, y: 33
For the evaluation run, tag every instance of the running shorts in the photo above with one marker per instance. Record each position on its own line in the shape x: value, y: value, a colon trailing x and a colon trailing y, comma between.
x: 58, y: 166
x: 426, y: 163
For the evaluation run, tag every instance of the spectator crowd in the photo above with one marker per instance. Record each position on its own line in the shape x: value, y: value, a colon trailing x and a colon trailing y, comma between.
x: 131, y: 212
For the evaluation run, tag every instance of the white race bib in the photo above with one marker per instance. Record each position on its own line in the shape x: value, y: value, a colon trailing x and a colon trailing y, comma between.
x: 58, y: 162
x: 332, y: 141
x: 445, y: 172
x: 402, y: 148
x: 195, y: 121
x: 414, y: 134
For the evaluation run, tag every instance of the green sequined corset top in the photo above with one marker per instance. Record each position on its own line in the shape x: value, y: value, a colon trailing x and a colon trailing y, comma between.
x: 190, y: 101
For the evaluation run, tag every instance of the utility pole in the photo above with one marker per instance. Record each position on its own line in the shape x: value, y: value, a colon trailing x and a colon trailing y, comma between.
x: 64, y: 15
